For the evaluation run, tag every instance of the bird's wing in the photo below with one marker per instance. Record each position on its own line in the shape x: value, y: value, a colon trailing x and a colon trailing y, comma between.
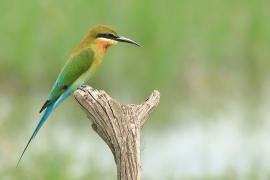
x: 75, y: 66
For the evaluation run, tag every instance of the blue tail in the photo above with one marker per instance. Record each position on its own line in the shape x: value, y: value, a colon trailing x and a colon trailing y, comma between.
x: 44, y: 117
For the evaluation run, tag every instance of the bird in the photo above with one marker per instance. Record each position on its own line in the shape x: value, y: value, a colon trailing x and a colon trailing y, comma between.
x: 81, y: 64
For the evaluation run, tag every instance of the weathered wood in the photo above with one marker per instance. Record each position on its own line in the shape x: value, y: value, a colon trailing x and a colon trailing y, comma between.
x: 119, y: 126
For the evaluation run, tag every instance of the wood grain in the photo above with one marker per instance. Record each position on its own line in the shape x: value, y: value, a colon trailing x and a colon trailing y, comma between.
x: 119, y: 126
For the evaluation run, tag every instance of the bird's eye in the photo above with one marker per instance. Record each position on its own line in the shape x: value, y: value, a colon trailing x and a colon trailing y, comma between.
x: 107, y: 36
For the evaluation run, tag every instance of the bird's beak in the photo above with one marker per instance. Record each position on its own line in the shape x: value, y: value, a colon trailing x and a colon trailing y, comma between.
x: 126, y: 40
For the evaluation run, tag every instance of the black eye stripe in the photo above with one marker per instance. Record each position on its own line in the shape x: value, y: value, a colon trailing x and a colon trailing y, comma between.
x: 107, y: 35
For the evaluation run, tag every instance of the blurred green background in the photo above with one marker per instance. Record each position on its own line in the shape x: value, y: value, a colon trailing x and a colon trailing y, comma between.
x: 209, y: 59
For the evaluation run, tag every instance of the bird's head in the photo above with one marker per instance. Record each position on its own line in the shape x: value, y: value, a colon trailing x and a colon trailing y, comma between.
x: 106, y: 36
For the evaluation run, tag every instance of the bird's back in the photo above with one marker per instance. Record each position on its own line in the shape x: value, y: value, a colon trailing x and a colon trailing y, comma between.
x: 76, y: 65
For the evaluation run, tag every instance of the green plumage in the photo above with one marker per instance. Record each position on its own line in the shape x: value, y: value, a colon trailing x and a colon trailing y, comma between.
x: 72, y: 70
x: 78, y: 64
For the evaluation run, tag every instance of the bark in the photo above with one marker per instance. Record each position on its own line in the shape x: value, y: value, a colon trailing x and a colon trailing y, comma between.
x: 119, y: 126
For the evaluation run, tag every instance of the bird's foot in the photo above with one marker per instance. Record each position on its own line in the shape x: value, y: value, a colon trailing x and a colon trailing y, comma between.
x: 82, y: 87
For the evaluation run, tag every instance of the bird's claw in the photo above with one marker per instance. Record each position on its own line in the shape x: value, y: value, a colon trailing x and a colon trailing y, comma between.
x: 82, y: 87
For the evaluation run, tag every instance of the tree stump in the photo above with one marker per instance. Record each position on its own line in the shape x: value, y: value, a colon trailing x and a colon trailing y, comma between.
x: 119, y: 126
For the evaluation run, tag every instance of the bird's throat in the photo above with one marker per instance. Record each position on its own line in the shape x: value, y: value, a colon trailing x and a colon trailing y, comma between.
x: 99, y: 46
x: 103, y: 43
x: 99, y: 50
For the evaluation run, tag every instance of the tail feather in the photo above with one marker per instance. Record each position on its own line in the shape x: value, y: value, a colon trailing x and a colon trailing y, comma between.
x: 44, y: 117
x: 40, y: 123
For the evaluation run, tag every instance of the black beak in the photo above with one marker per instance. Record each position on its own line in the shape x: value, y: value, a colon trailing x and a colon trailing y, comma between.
x: 126, y: 40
